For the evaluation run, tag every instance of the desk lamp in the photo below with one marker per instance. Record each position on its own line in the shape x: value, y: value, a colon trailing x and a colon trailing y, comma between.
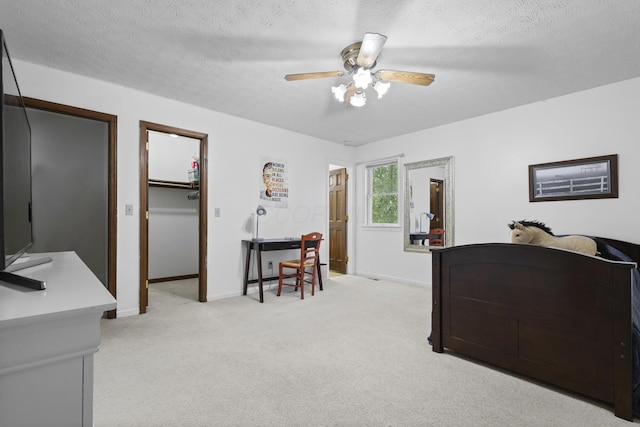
x: 428, y: 215
x: 260, y: 210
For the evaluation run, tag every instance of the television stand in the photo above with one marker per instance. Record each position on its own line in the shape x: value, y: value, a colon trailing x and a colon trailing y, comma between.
x: 48, y: 341
x: 8, y: 276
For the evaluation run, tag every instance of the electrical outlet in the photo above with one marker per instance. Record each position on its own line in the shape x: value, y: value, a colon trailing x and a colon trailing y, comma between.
x: 270, y: 265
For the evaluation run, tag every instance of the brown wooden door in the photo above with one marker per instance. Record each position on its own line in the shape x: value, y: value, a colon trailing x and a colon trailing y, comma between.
x: 436, y: 203
x: 338, y: 220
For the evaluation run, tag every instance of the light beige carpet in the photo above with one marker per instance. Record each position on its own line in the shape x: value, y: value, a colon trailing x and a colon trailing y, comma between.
x: 355, y: 354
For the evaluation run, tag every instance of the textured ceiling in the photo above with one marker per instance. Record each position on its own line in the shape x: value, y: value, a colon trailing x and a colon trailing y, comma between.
x: 231, y: 56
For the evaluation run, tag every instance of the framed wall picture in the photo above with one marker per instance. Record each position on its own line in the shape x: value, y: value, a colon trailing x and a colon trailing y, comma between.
x: 589, y: 178
x: 274, y: 182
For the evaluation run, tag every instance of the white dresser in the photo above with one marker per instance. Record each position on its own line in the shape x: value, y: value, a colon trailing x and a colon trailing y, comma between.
x: 47, y: 342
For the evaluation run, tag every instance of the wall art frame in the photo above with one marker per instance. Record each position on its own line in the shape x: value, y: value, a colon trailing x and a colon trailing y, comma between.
x: 587, y: 178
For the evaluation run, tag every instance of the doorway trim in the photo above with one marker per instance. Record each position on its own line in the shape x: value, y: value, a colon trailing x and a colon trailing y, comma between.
x: 112, y: 191
x: 144, y: 208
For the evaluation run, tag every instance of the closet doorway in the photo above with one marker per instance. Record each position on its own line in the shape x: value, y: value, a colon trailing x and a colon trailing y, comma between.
x: 190, y: 185
x: 75, y: 185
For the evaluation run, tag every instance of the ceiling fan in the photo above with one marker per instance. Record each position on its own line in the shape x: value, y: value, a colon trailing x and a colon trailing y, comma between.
x: 359, y: 59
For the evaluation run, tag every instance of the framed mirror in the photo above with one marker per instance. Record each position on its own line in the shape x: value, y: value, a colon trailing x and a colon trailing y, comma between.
x: 428, y: 204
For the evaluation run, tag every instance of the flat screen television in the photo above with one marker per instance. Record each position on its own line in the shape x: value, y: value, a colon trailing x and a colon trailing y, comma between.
x: 15, y: 177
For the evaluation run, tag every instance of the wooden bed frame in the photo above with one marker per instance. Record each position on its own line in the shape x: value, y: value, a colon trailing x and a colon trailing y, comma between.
x: 553, y: 315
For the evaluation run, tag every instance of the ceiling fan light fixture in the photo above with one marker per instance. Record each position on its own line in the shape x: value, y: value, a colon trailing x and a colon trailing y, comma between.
x: 339, y: 91
x: 381, y: 88
x: 358, y: 99
x: 362, y: 78
x: 359, y: 60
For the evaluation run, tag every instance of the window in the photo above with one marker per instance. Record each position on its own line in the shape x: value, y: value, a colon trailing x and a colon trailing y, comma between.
x: 382, y: 193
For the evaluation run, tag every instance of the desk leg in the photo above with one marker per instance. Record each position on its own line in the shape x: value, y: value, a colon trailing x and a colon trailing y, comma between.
x: 247, y: 263
x: 319, y: 272
x: 259, y: 253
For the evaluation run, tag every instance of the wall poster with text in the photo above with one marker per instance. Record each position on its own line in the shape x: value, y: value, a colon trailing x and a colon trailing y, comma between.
x: 274, y: 185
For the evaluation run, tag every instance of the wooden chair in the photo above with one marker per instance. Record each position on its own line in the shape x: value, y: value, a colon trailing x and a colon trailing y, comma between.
x: 303, y: 269
x: 436, y: 237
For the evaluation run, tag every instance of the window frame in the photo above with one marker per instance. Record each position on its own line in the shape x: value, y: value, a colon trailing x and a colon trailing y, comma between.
x: 369, y: 168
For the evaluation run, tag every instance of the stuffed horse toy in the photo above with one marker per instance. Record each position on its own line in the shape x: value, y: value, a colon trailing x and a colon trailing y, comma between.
x: 536, y: 233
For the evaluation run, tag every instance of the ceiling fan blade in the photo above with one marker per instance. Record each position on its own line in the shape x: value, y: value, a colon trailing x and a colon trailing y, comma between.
x: 371, y: 47
x: 405, y: 77
x: 319, y: 75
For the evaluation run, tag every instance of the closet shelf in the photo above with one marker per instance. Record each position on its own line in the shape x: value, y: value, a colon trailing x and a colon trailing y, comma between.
x: 174, y: 184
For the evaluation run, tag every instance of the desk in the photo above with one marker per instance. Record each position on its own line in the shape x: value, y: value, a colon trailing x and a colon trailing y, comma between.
x: 264, y: 245
x: 420, y: 236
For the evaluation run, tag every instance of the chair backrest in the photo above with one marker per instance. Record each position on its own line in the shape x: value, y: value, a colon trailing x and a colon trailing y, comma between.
x: 309, y: 247
x: 436, y: 237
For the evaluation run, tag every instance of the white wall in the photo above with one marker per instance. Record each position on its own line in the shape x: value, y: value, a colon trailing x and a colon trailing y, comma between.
x: 173, y: 233
x: 491, y: 153
x: 235, y: 146
x: 491, y: 156
x: 170, y: 157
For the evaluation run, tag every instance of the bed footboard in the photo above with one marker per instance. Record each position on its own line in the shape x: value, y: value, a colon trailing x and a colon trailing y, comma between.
x: 549, y: 314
